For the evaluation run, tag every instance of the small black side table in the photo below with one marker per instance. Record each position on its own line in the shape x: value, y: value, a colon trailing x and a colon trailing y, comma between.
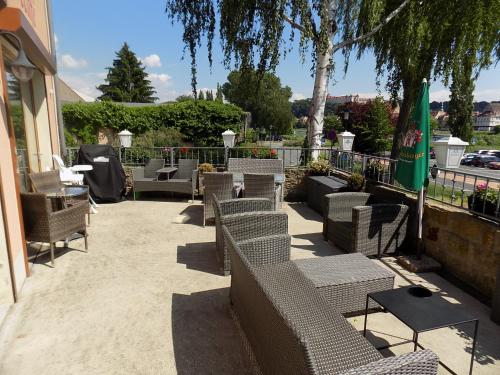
x: 422, y: 313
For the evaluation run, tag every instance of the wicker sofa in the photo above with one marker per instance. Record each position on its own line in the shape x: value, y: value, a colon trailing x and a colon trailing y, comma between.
x: 246, y: 218
x: 356, y: 222
x: 289, y: 326
x: 183, y: 181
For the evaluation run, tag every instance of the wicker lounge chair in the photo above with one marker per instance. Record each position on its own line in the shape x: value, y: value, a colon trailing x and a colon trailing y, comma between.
x: 49, y: 181
x: 183, y: 181
x: 215, y: 184
x: 289, y: 326
x: 42, y: 224
x: 257, y: 221
x: 355, y: 223
x: 262, y: 186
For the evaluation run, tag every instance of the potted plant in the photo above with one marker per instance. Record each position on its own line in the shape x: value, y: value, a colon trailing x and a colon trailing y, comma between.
x: 483, y: 197
x: 376, y: 170
x: 319, y: 167
x: 355, y: 182
x: 203, y: 168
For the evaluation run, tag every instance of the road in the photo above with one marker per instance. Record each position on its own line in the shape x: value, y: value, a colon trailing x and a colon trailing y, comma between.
x: 470, y: 181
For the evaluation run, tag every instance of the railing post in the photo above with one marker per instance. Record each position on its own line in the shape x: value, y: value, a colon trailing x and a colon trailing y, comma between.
x: 172, y: 156
x: 226, y: 156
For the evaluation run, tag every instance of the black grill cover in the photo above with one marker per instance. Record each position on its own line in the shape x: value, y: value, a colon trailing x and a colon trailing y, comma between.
x: 107, y: 180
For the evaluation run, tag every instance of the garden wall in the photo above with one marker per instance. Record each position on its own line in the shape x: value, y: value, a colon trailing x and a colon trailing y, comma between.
x: 467, y: 246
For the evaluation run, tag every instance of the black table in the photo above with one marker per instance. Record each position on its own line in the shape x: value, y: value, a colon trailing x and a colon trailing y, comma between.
x: 422, y: 314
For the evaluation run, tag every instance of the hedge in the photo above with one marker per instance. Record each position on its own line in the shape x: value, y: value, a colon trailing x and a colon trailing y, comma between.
x: 202, y: 122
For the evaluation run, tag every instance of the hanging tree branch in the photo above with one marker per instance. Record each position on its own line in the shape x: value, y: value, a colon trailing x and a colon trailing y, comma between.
x: 364, y: 36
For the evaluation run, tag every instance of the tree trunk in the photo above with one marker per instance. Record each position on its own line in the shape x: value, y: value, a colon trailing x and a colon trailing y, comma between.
x: 402, y: 123
x: 317, y: 110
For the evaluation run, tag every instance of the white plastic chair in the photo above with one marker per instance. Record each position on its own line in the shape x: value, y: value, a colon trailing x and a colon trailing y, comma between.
x: 67, y: 174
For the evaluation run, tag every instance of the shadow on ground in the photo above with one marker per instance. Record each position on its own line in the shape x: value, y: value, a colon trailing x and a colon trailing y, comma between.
x: 40, y: 253
x: 192, y: 214
x: 205, y: 338
x: 199, y: 256
x: 305, y: 212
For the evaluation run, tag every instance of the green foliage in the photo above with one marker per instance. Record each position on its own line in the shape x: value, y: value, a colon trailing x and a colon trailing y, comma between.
x: 201, y: 95
x: 206, y: 167
x: 355, y: 182
x: 219, y: 96
x: 70, y: 139
x: 434, y: 125
x: 210, y: 95
x: 428, y: 40
x: 332, y: 122
x: 160, y: 137
x: 461, y: 102
x: 183, y: 98
x: 263, y: 96
x: 371, y: 124
x: 201, y: 122
x: 127, y: 80
x: 319, y: 167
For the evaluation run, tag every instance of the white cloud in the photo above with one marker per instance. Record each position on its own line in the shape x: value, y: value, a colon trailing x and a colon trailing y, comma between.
x: 56, y: 40
x: 159, y: 77
x: 439, y: 95
x: 297, y: 96
x: 487, y: 95
x: 152, y: 61
x: 68, y: 61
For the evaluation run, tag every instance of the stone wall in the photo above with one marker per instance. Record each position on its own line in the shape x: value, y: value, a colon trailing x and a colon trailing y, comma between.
x: 467, y: 246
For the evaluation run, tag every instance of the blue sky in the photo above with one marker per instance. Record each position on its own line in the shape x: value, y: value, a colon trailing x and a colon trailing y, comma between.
x: 89, y: 32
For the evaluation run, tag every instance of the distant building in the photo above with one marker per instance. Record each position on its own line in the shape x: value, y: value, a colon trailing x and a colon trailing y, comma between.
x: 441, y: 117
x: 488, y: 119
x: 68, y: 95
x: 347, y: 99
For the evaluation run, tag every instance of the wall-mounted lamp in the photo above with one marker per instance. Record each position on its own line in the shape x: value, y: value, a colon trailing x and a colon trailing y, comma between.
x: 21, y: 67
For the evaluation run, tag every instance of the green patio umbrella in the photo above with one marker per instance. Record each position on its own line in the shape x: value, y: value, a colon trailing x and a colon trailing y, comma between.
x: 413, y: 165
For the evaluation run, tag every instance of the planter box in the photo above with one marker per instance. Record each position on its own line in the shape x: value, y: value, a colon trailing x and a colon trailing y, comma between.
x: 489, y: 208
x: 318, y: 186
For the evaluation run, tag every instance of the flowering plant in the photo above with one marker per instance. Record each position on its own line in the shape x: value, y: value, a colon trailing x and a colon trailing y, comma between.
x: 184, y: 150
x: 483, y: 192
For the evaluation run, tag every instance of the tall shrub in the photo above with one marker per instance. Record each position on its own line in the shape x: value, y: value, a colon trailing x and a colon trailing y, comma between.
x: 200, y: 122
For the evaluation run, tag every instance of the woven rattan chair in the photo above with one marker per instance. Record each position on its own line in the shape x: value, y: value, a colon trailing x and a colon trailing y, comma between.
x: 49, y: 181
x: 247, y: 165
x: 355, y: 223
x: 291, y: 329
x: 262, y: 186
x: 42, y: 224
x: 258, y: 221
x: 183, y: 181
x: 215, y: 184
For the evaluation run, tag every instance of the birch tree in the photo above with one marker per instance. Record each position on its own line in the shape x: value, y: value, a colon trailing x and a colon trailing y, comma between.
x: 253, y: 35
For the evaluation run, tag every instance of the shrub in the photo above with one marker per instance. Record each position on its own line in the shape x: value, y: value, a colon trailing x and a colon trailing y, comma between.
x: 159, y: 138
x: 201, y: 122
x: 206, y: 167
x: 355, y: 182
x: 319, y: 167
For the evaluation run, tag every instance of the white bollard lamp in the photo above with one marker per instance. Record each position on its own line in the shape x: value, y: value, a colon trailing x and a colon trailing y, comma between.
x: 346, y: 140
x: 449, y: 151
x: 125, y: 138
x: 228, y: 137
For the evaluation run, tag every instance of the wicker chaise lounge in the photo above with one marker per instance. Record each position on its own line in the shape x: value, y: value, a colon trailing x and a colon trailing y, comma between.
x: 356, y: 223
x: 290, y: 327
x: 228, y: 208
x: 183, y: 181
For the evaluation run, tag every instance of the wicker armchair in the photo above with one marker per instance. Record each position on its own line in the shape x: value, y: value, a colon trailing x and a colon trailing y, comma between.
x: 42, y: 224
x: 215, y: 184
x: 355, y: 223
x: 49, y: 181
x: 262, y: 186
x: 183, y: 181
x: 258, y: 221
x: 247, y: 165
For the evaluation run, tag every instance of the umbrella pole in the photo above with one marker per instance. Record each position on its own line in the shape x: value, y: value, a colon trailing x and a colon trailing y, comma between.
x: 421, y: 199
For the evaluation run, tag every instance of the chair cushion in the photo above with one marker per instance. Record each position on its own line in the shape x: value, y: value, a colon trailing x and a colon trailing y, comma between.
x: 145, y: 179
x: 179, y: 180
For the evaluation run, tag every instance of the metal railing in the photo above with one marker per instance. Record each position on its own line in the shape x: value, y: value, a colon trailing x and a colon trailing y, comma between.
x: 476, y: 192
x: 135, y: 156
